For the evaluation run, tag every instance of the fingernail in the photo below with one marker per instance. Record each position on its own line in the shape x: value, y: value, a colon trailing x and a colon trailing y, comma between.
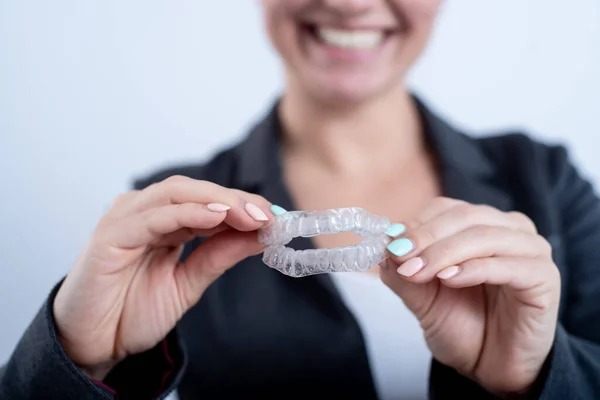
x: 395, y: 230
x: 411, y: 267
x: 400, y: 247
x: 448, y: 272
x: 276, y: 210
x: 255, y: 212
x: 218, y: 207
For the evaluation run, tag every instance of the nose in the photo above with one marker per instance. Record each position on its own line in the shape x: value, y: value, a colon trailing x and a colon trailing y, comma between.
x: 349, y: 6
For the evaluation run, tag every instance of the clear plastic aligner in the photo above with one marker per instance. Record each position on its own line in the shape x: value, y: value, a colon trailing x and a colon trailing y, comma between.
x: 299, y: 263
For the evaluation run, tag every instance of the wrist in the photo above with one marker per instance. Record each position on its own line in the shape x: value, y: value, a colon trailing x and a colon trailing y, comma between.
x: 97, y: 372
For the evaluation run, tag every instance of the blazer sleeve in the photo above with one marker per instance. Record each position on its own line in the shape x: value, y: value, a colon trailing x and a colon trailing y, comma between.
x: 40, y: 369
x: 572, y: 370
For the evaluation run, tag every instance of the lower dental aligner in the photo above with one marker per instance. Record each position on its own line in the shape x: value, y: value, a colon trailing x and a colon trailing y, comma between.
x: 299, y: 263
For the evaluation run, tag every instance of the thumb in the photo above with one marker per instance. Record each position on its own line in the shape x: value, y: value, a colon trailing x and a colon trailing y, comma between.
x: 211, y: 259
x: 418, y: 297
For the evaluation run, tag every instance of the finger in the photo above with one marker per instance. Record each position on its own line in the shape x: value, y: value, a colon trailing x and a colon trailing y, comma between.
x: 437, y: 206
x: 448, y: 223
x: 254, y: 205
x: 475, y: 242
x: 516, y: 272
x: 213, y: 231
x: 184, y: 235
x: 181, y: 189
x: 242, y: 214
x: 147, y: 227
x: 523, y: 221
x: 123, y: 204
x: 253, y: 198
x: 211, y: 259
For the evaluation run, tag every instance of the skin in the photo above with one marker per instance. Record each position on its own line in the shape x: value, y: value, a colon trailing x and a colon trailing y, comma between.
x: 349, y: 119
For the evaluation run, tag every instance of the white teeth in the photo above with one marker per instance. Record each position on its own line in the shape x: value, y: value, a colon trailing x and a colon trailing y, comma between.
x: 350, y: 39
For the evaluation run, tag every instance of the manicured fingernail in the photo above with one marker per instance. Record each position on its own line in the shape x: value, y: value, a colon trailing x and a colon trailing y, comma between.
x: 395, y: 230
x: 218, y: 207
x: 276, y: 210
x: 411, y: 267
x: 255, y: 212
x: 400, y: 247
x: 448, y: 272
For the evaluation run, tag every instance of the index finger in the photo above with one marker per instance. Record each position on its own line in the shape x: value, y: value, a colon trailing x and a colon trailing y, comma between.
x: 179, y: 189
x: 245, y: 212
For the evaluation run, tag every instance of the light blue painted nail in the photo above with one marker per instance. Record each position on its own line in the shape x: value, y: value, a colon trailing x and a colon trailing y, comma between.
x: 400, y: 247
x: 395, y: 230
x: 276, y: 210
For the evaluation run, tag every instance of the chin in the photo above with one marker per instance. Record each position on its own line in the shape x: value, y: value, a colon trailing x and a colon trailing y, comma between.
x: 343, y: 91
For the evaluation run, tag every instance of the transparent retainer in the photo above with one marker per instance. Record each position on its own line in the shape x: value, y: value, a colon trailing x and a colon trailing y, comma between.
x: 299, y: 263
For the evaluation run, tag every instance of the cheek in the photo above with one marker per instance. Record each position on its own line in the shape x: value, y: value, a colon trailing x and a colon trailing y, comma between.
x: 279, y: 16
x: 419, y: 15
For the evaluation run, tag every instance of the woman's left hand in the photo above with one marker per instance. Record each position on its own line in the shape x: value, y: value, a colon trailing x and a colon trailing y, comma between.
x: 484, y: 287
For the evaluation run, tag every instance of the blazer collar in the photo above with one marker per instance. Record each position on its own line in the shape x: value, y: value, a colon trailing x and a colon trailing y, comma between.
x: 259, y: 153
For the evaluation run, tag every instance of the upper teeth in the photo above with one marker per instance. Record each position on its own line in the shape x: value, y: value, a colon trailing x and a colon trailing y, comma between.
x: 350, y: 39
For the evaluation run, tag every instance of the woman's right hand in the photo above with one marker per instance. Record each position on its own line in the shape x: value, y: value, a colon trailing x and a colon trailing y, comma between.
x: 128, y: 289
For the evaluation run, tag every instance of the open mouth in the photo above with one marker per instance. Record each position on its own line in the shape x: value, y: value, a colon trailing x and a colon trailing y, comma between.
x: 348, y: 39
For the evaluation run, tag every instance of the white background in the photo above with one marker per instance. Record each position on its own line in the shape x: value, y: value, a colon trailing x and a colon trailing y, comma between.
x: 94, y: 94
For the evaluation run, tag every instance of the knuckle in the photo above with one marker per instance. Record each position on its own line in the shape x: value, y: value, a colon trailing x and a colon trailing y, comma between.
x: 463, y: 210
x: 483, y: 231
x: 484, y: 209
x: 545, y: 245
x: 252, y: 197
x: 443, y: 201
x: 482, y: 264
x: 555, y: 276
x: 147, y: 217
x: 522, y: 220
x: 424, y: 237
x: 439, y: 255
x: 104, y: 222
x: 176, y: 179
x: 412, y: 225
x: 124, y: 198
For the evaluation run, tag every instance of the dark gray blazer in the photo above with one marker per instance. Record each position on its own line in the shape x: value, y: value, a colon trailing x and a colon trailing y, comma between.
x: 259, y: 334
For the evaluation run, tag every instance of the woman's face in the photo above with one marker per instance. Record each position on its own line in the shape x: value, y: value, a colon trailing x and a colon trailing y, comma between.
x: 346, y: 51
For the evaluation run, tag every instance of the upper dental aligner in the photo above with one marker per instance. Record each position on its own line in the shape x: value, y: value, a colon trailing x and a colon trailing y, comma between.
x: 289, y: 225
x: 312, y: 223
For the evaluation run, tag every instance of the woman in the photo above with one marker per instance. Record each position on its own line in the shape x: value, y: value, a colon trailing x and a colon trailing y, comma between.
x: 493, y: 267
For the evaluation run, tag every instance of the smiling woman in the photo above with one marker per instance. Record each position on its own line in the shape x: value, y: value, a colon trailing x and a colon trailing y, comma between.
x: 482, y: 279
x: 352, y: 54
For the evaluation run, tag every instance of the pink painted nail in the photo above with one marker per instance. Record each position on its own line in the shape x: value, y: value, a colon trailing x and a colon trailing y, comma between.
x: 218, y: 207
x: 256, y: 212
x: 411, y: 267
x: 449, y: 272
